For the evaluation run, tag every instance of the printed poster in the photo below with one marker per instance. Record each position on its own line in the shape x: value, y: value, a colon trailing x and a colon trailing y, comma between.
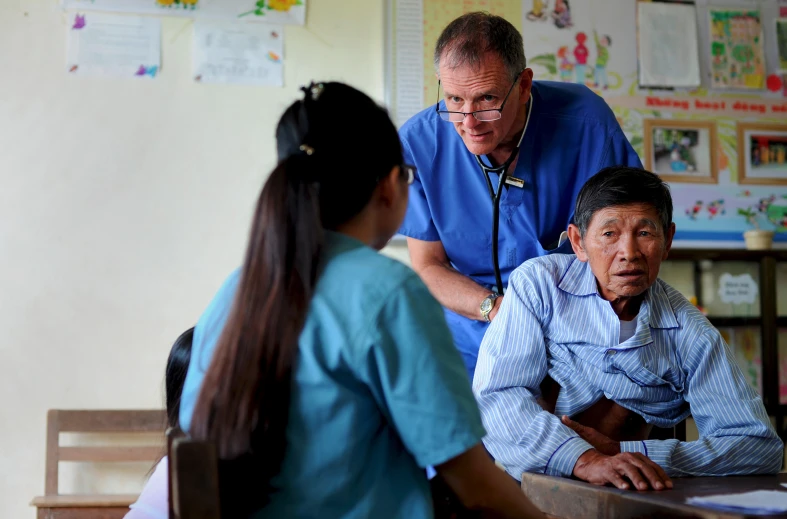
x: 781, y: 43
x: 292, y: 12
x: 736, y: 49
x: 228, y: 52
x: 111, y: 45
x: 667, y: 47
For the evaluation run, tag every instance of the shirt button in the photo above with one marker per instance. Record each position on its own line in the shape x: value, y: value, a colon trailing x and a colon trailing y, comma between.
x: 611, y: 352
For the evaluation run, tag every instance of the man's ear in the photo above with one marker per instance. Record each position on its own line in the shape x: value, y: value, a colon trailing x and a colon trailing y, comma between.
x: 668, y: 243
x: 389, y: 187
x: 576, y: 242
x: 525, y: 84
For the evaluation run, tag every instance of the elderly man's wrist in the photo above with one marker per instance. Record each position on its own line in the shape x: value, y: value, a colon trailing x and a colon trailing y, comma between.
x: 635, y: 446
x: 565, y: 457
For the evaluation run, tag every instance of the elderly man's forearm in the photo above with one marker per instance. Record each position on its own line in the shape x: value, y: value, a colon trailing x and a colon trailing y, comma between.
x: 718, y: 456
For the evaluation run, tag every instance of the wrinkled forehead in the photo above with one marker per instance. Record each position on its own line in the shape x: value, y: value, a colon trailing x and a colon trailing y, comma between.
x: 627, y: 214
x: 456, y: 63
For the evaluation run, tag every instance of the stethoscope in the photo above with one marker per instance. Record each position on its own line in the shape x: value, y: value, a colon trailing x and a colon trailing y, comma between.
x: 501, y: 170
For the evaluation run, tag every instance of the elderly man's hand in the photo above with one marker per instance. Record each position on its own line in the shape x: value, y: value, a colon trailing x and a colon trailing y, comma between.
x: 600, y: 442
x: 619, y: 470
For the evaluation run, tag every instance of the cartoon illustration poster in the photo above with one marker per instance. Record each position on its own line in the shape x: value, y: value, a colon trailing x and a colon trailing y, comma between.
x: 581, y: 42
x: 736, y: 49
x: 745, y: 345
x: 781, y: 43
x: 292, y: 12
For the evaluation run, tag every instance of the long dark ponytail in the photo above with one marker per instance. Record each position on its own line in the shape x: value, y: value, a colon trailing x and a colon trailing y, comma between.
x: 245, y: 397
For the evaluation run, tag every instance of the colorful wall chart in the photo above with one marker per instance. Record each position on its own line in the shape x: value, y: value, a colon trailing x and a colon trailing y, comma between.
x: 736, y: 49
x: 292, y: 12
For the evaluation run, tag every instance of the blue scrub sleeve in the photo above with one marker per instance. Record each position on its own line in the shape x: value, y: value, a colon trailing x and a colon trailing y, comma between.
x: 618, y: 153
x: 418, y: 222
x: 418, y: 377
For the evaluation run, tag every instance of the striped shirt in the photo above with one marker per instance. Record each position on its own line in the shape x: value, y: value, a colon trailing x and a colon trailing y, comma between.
x: 553, y: 321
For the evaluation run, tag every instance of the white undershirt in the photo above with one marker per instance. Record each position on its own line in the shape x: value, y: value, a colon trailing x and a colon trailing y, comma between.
x: 627, y: 330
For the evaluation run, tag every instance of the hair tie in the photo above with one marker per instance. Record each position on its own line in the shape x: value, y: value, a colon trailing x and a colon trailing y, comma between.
x: 314, y: 90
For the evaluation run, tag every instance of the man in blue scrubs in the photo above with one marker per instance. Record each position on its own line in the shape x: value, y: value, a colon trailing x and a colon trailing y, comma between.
x: 558, y: 135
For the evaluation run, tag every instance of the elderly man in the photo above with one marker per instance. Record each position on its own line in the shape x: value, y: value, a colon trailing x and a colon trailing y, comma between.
x: 548, y: 137
x: 589, y: 351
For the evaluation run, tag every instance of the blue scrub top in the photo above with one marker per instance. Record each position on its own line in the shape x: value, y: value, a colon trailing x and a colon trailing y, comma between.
x: 572, y: 134
x: 379, y: 391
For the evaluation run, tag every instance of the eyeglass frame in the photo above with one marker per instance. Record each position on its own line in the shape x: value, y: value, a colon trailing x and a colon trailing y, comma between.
x: 465, y: 114
x: 410, y: 170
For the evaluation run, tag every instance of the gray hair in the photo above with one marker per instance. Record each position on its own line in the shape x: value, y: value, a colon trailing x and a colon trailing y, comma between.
x: 622, y: 185
x: 465, y: 41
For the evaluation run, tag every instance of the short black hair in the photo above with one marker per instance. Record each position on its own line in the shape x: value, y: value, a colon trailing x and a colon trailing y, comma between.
x: 622, y: 185
x: 465, y: 40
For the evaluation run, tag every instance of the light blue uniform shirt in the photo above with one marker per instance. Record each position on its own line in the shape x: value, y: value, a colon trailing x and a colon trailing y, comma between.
x: 553, y: 321
x: 572, y: 135
x: 379, y: 391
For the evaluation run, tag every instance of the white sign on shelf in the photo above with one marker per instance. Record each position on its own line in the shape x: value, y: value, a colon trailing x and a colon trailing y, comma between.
x: 738, y: 289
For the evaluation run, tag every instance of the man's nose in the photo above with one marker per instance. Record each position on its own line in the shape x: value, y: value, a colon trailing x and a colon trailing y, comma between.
x: 470, y: 121
x: 628, y: 247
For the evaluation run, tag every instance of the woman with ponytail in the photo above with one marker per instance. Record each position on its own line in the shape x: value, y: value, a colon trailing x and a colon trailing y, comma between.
x: 323, y: 371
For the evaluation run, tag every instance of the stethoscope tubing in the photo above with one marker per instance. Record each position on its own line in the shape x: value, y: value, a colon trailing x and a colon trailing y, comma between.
x: 502, y: 170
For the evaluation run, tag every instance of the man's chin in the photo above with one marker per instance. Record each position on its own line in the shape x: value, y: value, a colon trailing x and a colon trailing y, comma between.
x: 478, y: 147
x: 631, y: 289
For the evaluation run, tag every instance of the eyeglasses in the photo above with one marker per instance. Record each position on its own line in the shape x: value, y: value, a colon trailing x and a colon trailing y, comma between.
x: 408, y: 170
x: 492, y: 114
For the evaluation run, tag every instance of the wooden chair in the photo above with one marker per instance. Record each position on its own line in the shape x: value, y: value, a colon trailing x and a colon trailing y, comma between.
x: 53, y: 505
x: 193, y: 478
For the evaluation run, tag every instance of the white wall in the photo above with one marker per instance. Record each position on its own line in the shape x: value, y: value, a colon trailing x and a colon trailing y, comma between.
x: 123, y: 205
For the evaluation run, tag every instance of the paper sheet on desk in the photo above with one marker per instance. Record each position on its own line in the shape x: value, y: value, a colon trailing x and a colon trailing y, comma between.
x: 757, y: 502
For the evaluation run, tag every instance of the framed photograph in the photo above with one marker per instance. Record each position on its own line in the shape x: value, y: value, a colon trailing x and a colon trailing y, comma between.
x: 762, y: 153
x: 681, y: 151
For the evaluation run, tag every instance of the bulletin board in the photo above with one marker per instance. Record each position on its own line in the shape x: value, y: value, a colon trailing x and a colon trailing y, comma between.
x: 691, y: 137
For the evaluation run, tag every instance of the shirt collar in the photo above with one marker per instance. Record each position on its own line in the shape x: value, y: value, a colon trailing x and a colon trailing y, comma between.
x: 336, y: 243
x: 579, y: 280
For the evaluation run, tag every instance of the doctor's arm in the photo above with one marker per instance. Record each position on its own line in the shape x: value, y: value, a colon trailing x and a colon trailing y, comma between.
x: 736, y: 436
x: 452, y: 289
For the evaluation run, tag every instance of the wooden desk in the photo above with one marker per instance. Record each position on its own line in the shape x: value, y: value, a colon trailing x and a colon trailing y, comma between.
x: 569, y: 499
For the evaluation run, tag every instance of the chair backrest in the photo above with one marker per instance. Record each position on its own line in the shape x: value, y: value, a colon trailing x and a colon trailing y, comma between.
x: 99, y: 421
x: 193, y: 478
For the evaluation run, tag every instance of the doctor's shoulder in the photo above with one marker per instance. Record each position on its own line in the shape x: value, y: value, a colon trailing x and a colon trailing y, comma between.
x: 574, y: 99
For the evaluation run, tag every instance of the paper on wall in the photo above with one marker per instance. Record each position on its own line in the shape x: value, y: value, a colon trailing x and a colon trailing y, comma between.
x: 267, y: 11
x: 227, y: 52
x: 111, y: 45
x: 667, y: 50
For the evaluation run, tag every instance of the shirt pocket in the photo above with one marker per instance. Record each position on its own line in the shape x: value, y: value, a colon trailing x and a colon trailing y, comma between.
x: 667, y: 380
